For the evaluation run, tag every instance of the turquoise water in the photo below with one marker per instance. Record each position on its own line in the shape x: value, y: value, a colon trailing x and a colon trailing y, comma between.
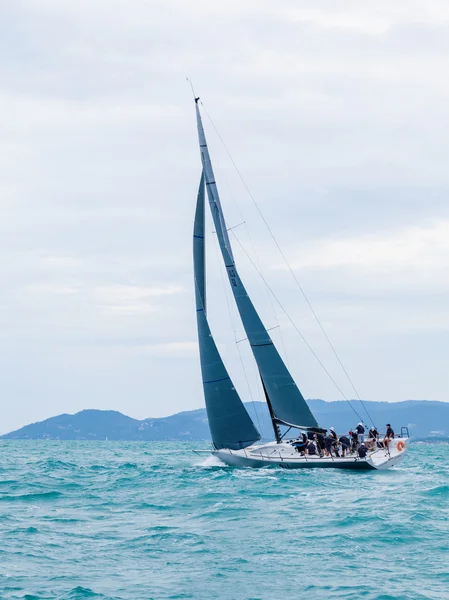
x: 140, y: 521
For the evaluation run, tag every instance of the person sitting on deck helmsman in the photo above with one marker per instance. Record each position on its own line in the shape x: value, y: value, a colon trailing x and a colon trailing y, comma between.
x: 389, y: 435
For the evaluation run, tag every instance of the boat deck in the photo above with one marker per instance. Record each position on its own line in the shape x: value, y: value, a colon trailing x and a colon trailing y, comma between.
x: 285, y: 456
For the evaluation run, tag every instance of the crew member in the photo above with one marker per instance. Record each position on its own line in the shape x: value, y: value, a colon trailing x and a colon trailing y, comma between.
x: 363, y: 450
x: 320, y: 443
x: 389, y: 435
x: 345, y: 444
x: 311, y: 448
x: 373, y: 436
x: 299, y: 446
x: 353, y: 437
x: 334, y: 437
x: 360, y: 430
x: 328, y: 441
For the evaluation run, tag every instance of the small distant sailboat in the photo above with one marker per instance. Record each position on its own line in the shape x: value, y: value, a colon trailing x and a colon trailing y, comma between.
x: 234, y: 435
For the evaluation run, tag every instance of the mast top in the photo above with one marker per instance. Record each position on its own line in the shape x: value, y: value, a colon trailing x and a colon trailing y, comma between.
x: 193, y: 91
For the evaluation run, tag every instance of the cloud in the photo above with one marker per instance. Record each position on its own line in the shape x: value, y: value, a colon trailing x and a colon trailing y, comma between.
x: 408, y: 258
x: 127, y: 299
x: 177, y: 349
x: 336, y: 116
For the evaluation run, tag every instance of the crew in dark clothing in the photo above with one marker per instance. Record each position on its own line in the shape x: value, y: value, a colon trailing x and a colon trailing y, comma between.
x: 373, y: 433
x: 311, y: 448
x: 372, y: 437
x: 334, y: 437
x: 328, y: 441
x: 389, y: 435
x: 363, y: 450
x: 345, y: 444
x: 299, y: 446
x: 360, y: 430
x: 332, y: 433
x: 310, y: 436
x: 320, y: 443
x: 304, y: 438
x: 353, y: 441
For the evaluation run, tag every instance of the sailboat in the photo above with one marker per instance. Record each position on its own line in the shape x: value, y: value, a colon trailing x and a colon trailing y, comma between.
x: 236, y: 440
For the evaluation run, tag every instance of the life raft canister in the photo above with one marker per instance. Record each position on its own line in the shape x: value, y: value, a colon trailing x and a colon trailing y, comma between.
x: 400, y: 446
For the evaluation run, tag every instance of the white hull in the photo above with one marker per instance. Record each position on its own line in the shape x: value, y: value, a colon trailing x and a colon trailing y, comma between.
x: 285, y: 456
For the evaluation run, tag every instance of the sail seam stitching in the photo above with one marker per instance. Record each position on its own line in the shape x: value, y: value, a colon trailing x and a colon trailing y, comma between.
x: 217, y: 380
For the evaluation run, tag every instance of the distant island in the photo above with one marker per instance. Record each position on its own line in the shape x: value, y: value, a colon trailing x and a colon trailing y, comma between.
x: 426, y: 420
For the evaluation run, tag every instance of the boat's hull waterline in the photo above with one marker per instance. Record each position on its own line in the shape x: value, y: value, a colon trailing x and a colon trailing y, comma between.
x: 285, y: 456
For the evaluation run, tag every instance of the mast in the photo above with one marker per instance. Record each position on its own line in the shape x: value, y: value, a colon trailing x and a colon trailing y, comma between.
x: 274, y: 423
x: 286, y: 404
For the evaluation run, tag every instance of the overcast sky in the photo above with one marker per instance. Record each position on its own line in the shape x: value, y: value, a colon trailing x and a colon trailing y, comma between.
x: 337, y: 115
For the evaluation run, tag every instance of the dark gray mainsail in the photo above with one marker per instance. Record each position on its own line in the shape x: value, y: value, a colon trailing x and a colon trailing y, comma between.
x: 230, y: 425
x: 286, y: 403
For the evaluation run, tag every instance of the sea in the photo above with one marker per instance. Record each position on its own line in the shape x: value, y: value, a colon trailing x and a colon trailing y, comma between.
x: 152, y: 521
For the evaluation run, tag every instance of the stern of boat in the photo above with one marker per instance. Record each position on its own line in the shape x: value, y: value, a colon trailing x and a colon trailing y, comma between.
x: 383, y: 458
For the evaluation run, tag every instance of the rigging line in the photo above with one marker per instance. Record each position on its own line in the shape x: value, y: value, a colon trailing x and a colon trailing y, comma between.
x: 251, y: 243
x: 265, y: 291
x: 283, y: 344
x: 271, y: 305
x: 297, y: 329
x: 288, y: 265
x: 236, y: 204
x: 191, y: 85
x: 270, y: 299
x: 235, y: 226
x: 253, y: 249
x: 220, y: 268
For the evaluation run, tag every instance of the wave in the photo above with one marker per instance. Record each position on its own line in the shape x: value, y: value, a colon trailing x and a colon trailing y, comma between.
x: 33, y: 496
x: 162, y: 526
x: 98, y: 468
x: 79, y: 593
x: 212, y: 461
x: 441, y: 490
x: 23, y: 530
x: 52, y: 463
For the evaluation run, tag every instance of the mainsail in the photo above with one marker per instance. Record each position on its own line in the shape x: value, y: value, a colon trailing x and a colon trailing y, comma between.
x: 230, y: 425
x: 286, y: 403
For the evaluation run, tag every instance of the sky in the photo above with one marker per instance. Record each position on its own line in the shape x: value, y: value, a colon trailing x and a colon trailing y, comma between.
x: 336, y: 115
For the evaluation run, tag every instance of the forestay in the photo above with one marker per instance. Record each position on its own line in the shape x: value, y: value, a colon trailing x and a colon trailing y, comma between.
x: 286, y: 401
x: 230, y: 425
